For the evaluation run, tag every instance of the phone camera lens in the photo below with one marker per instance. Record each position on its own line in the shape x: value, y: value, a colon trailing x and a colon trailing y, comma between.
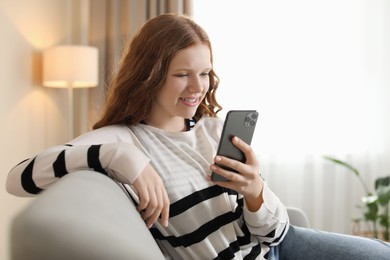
x: 250, y: 119
x: 254, y: 115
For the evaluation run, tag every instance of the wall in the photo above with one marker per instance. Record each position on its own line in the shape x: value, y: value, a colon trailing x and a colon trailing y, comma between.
x: 31, y: 117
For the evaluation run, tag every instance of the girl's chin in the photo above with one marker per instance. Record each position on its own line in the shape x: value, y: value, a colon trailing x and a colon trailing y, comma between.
x: 190, y: 113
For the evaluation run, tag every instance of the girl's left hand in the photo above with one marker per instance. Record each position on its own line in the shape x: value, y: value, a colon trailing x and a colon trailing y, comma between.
x: 248, y: 182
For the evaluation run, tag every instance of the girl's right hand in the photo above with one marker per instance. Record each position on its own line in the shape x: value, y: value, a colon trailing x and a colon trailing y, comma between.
x: 153, y: 198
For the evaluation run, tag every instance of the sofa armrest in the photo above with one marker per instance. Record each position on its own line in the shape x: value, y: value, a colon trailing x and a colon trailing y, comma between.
x: 298, y: 217
x: 85, y: 215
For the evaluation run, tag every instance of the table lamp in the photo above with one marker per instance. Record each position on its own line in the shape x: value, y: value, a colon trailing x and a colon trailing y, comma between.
x: 70, y: 66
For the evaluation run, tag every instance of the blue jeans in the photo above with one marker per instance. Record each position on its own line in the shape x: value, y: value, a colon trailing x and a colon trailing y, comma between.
x: 304, y: 243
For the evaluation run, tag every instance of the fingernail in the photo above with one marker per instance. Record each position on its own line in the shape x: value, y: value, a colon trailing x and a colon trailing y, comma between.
x: 213, y: 168
x: 218, y: 159
x: 236, y: 139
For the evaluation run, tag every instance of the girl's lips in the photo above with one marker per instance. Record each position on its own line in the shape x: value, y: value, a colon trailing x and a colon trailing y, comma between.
x: 189, y: 101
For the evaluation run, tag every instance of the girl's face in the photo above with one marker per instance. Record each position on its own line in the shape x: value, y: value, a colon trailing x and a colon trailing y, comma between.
x: 185, y: 87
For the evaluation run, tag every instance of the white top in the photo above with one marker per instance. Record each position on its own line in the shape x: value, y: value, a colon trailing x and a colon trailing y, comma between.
x: 206, y: 221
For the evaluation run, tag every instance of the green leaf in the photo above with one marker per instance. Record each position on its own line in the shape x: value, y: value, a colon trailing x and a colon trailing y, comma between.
x: 342, y: 163
x: 372, y: 199
x: 384, y: 181
x: 371, y: 211
x: 353, y: 169
x: 384, y: 220
x: 383, y: 195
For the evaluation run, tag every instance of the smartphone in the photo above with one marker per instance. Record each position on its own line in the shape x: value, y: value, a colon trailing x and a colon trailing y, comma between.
x: 240, y: 123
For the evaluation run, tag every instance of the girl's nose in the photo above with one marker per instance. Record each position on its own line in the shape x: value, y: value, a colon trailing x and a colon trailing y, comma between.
x: 195, y: 85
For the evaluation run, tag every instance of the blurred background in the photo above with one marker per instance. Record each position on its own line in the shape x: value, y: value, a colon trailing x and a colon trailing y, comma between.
x: 317, y: 72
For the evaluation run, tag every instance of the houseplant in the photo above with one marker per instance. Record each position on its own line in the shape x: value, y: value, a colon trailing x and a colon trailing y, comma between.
x: 375, y: 205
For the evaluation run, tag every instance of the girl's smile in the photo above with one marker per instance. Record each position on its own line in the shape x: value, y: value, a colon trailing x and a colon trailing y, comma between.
x: 190, y: 101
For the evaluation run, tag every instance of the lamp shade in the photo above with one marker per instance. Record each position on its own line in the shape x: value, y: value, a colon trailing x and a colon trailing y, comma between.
x: 70, y: 65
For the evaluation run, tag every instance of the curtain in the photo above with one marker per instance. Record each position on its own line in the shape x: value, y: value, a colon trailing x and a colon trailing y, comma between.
x: 112, y: 24
x: 317, y: 72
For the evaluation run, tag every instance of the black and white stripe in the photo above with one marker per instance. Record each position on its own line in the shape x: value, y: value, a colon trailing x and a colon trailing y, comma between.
x: 212, y: 225
x: 207, y: 222
x: 59, y: 166
x: 27, y: 181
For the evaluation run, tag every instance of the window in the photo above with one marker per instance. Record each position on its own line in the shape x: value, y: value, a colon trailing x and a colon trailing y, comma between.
x: 318, y: 73
x: 313, y: 69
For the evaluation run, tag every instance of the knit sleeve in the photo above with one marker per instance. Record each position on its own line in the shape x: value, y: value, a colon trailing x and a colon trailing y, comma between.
x: 116, y: 156
x: 270, y: 223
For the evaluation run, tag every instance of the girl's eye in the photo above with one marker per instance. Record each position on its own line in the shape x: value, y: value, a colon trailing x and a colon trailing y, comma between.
x: 205, y: 74
x: 181, y: 75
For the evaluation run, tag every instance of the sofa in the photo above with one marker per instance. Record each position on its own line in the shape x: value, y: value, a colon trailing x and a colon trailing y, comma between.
x: 87, y: 215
